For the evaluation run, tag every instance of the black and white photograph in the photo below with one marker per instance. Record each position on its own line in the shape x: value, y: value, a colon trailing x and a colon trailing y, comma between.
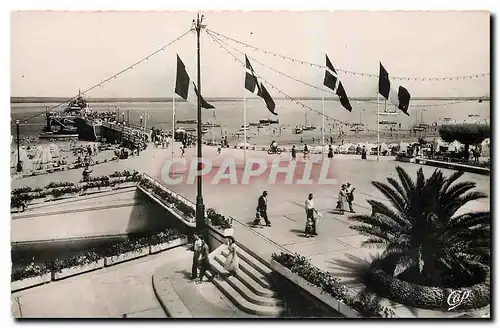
x: 280, y: 164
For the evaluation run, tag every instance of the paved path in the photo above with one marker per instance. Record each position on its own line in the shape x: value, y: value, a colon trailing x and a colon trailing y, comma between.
x: 107, y: 293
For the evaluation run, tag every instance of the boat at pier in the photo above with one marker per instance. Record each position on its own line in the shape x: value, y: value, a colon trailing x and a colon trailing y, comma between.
x: 186, y: 121
x: 357, y: 127
x: 210, y: 125
x: 58, y: 127
x: 269, y: 121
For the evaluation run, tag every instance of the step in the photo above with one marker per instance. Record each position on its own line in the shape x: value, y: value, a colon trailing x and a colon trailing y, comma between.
x: 251, y: 271
x: 247, y: 280
x: 254, y: 262
x: 242, y: 289
x: 241, y: 302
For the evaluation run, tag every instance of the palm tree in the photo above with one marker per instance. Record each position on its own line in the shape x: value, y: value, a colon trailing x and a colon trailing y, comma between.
x: 420, y: 230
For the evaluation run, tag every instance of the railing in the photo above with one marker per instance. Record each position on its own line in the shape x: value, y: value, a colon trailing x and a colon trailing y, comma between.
x: 180, y: 198
x: 479, y: 164
x: 240, y: 224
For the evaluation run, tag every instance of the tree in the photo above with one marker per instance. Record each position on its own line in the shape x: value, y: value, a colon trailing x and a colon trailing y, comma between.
x: 422, y: 236
x: 466, y: 133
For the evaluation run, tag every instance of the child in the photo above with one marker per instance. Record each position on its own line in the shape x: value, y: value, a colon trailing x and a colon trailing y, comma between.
x: 309, y: 228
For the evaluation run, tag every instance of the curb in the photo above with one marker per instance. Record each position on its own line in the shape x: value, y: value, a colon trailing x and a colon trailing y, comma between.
x: 181, y: 311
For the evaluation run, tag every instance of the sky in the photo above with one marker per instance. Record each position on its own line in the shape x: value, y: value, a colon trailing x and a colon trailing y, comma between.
x: 54, y: 54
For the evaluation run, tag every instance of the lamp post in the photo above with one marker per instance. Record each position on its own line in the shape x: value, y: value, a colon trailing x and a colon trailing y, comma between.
x: 200, y: 207
x: 19, y: 166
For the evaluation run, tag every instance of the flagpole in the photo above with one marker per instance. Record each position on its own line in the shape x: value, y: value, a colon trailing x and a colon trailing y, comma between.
x: 323, y: 127
x: 244, y: 118
x: 173, y: 118
x: 378, y: 127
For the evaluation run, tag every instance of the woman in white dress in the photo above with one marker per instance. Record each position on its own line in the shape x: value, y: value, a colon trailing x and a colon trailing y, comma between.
x: 231, y: 264
x: 343, y: 205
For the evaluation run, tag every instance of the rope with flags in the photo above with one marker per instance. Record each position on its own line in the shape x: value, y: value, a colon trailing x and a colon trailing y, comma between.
x: 345, y: 71
x: 283, y: 93
x: 114, y: 76
x: 212, y: 35
x: 267, y: 66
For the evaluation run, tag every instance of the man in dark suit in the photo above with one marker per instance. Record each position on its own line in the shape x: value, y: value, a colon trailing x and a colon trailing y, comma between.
x: 262, y: 209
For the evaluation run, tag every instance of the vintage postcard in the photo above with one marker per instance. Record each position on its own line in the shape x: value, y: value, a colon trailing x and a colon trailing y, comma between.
x: 250, y: 164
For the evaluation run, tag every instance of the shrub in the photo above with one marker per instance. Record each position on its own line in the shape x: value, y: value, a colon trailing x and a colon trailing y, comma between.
x: 218, y: 220
x: 329, y: 284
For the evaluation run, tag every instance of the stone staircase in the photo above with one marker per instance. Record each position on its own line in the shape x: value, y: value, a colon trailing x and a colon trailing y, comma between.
x: 251, y: 289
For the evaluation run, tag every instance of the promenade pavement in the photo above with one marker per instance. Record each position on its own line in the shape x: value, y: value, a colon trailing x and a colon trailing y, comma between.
x: 337, y: 248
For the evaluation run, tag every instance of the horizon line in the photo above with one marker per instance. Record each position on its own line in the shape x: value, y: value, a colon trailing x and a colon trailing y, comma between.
x: 34, y: 99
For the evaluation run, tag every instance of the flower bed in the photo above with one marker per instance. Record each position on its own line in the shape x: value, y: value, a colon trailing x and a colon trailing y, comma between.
x: 325, y: 282
x: 31, y: 282
x: 168, y: 199
x: 134, y: 247
x: 127, y: 256
x: 78, y: 269
x: 59, y: 190
x: 31, y: 275
x: 218, y: 220
x: 427, y: 297
x: 153, y: 249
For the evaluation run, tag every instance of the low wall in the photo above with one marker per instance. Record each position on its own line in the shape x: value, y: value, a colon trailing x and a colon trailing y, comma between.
x: 108, y: 214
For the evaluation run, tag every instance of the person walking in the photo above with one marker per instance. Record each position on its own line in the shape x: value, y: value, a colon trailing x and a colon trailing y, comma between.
x: 262, y: 209
x: 310, y: 229
x: 294, y: 153
x: 350, y: 195
x: 219, y: 148
x: 196, y: 256
x: 231, y: 264
x: 306, y: 152
x: 204, y: 261
x: 330, y: 151
x: 363, y: 153
x: 342, y: 199
x: 183, y: 151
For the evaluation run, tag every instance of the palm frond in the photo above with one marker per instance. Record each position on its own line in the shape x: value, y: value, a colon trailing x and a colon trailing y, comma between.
x: 406, y: 181
x: 395, y: 184
x: 381, y: 208
x: 450, y: 179
x: 396, y: 200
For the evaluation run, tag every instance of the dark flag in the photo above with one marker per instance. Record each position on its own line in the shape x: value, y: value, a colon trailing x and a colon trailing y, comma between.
x: 204, y: 104
x: 185, y: 89
x: 401, y: 99
x: 332, y: 82
x: 343, y: 97
x: 252, y: 84
x: 384, y: 84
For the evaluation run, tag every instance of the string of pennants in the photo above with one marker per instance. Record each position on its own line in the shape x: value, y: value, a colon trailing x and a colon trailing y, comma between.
x: 327, y: 117
x: 326, y: 90
x: 114, y: 76
x: 255, y: 48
